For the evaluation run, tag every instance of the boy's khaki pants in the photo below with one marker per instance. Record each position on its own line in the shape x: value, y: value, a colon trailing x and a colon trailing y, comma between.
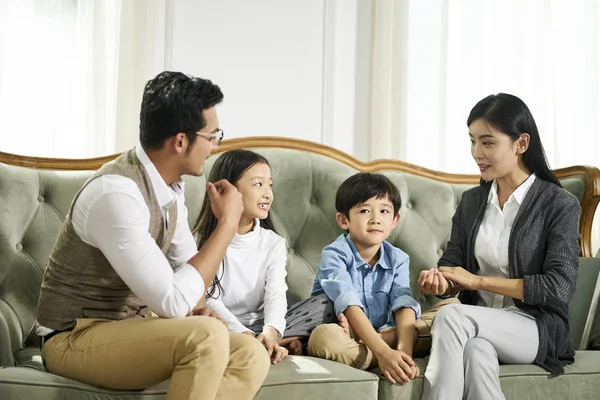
x: 331, y: 342
x: 201, y: 357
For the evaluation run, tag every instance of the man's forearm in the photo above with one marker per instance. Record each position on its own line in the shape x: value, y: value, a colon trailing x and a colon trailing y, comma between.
x: 208, y: 258
x: 364, y: 330
x: 405, y: 329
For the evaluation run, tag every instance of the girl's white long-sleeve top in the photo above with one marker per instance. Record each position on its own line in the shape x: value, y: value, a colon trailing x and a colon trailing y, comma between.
x: 253, y: 279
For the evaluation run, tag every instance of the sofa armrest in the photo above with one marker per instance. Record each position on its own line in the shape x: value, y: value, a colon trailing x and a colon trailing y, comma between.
x: 585, y: 326
x: 10, y: 335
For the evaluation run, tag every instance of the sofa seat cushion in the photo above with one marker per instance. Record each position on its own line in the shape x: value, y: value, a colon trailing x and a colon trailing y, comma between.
x: 581, y: 380
x: 301, y: 378
x: 29, y: 357
x: 295, y: 378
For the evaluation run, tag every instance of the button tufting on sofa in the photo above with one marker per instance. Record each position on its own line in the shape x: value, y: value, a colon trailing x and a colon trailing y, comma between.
x: 303, y: 212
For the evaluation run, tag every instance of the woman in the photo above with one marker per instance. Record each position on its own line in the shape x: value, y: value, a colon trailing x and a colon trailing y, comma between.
x: 512, y: 256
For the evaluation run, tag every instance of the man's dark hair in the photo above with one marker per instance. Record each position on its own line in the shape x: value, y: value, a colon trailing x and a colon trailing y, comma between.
x: 361, y: 187
x: 173, y: 102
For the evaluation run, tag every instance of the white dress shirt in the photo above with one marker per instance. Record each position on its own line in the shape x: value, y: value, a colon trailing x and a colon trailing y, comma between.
x: 111, y: 215
x: 253, y: 279
x: 491, y: 244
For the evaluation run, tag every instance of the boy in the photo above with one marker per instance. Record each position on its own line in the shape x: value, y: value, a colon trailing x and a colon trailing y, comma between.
x: 367, y: 279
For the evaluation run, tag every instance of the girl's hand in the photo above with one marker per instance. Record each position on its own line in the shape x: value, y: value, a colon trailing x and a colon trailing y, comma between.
x: 269, y: 339
x: 461, y: 277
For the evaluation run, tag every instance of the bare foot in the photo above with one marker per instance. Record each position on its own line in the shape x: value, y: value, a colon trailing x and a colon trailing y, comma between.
x: 343, y: 321
x: 294, y: 347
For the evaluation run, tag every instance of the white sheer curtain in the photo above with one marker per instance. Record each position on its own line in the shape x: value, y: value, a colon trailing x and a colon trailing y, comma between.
x: 72, y: 72
x: 433, y: 60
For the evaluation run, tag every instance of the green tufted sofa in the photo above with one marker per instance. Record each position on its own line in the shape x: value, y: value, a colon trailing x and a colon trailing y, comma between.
x: 35, y: 195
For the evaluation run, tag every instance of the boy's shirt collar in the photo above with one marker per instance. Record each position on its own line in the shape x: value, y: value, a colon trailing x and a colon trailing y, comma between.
x: 358, y: 260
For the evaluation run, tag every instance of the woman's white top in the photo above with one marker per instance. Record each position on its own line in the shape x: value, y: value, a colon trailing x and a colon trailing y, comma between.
x: 491, y: 244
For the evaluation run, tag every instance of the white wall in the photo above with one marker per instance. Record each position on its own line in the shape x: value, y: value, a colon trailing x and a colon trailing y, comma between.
x: 267, y: 57
x: 291, y: 68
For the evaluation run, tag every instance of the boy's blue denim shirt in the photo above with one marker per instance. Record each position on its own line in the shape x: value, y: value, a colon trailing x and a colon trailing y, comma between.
x: 350, y: 281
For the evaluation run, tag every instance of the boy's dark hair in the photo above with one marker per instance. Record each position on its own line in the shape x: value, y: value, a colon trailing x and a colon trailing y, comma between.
x: 230, y: 165
x: 361, y: 187
x: 173, y: 102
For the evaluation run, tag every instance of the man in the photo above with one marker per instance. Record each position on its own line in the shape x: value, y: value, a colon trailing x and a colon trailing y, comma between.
x: 126, y: 249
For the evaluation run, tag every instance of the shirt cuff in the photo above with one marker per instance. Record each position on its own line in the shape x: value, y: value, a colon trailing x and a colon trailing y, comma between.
x: 279, y: 329
x: 346, y: 300
x: 238, y: 327
x: 190, y: 284
x: 407, y: 302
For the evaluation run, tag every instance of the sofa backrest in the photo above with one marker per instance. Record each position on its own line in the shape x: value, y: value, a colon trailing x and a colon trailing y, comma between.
x: 35, y: 198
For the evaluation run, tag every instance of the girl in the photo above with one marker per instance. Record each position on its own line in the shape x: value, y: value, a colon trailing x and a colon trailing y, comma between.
x: 249, y: 291
x: 513, y: 254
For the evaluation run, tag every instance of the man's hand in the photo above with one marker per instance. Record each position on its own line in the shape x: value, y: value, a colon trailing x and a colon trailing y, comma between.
x: 205, y: 312
x: 433, y: 282
x: 269, y: 339
x: 225, y: 201
x: 397, y: 366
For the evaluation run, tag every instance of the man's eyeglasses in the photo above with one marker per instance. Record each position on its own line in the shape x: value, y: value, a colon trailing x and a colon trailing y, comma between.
x: 215, y: 137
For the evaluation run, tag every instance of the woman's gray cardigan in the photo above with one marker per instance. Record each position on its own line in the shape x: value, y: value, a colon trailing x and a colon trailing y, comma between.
x: 543, y: 249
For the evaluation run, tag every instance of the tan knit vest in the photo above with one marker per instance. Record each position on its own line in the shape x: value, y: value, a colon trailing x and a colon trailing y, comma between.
x: 79, y: 282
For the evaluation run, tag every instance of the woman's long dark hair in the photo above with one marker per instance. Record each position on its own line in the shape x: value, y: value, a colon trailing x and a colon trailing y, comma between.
x: 231, y: 165
x: 510, y: 115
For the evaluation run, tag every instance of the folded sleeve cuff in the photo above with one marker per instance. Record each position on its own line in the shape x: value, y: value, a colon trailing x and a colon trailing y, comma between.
x: 407, y: 302
x: 530, y: 285
x: 346, y: 300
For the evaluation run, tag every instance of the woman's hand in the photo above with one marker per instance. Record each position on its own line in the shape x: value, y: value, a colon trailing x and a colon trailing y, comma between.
x: 433, y: 282
x: 269, y: 339
x: 461, y: 277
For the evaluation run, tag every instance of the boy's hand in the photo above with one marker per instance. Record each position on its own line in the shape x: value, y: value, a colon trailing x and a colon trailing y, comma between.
x: 269, y: 339
x: 225, y: 202
x: 433, y: 282
x: 397, y: 366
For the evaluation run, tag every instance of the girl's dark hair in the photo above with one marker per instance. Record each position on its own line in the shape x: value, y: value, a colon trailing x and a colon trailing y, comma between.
x: 231, y: 165
x: 510, y: 115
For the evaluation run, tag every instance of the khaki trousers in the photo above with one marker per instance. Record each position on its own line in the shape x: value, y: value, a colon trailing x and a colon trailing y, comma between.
x: 201, y: 357
x: 331, y: 342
